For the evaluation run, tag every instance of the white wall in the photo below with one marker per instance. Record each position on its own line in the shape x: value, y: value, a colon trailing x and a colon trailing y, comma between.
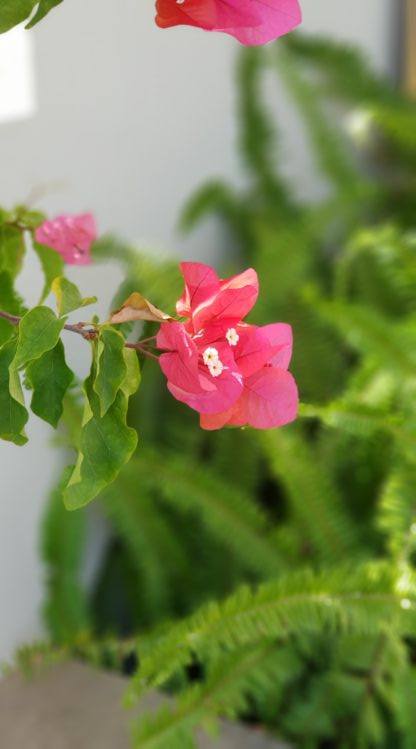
x: 130, y: 119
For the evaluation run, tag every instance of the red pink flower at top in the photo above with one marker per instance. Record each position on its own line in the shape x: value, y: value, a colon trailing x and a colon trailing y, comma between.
x: 231, y: 372
x: 71, y: 236
x: 252, y: 22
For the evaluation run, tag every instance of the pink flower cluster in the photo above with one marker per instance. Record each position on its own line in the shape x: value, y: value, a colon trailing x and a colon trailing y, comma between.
x: 231, y: 372
x: 71, y: 236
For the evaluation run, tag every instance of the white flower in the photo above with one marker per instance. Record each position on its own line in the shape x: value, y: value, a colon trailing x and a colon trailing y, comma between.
x: 210, y: 356
x: 216, y: 369
x: 232, y: 336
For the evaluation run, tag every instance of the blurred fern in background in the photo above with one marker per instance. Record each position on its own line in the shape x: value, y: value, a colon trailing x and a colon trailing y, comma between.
x: 292, y: 552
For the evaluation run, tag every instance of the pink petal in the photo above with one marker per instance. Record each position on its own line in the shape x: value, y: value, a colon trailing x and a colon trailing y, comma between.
x: 71, y: 236
x: 249, y: 21
x: 281, y: 338
x: 274, y: 18
x: 173, y: 336
x: 201, y: 282
x: 254, y: 349
x: 214, y: 332
x: 270, y: 399
x: 180, y: 365
x: 215, y: 421
x: 196, y: 13
x: 235, y: 299
x: 217, y: 398
x: 217, y: 15
x: 246, y: 278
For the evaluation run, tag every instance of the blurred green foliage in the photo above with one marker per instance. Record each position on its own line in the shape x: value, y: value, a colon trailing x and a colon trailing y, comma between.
x: 304, y: 538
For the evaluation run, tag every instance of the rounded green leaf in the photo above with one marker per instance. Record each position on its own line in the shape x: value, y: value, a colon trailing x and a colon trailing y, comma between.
x: 39, y: 331
x: 50, y: 378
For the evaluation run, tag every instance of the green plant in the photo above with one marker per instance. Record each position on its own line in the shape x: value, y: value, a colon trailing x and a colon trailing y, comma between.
x: 290, y: 554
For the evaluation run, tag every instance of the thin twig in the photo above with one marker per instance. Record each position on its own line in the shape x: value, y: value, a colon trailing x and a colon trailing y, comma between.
x: 146, y: 340
x: 88, y: 335
x: 137, y: 347
x: 13, y: 319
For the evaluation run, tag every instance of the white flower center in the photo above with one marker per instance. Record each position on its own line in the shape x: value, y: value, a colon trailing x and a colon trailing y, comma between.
x: 232, y: 336
x: 216, y: 369
x: 210, y: 356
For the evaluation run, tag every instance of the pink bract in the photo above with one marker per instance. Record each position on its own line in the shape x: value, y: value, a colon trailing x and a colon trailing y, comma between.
x: 230, y: 372
x: 71, y: 236
x: 189, y: 380
x: 251, y: 22
x: 207, y: 298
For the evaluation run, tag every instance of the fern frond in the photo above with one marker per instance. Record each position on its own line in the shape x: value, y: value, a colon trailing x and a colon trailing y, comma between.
x: 379, y: 265
x: 370, y: 333
x: 217, y: 198
x: 397, y: 510
x: 152, y: 547
x: 230, y: 683
x: 345, y: 70
x: 258, y: 143
x: 228, y: 512
x: 312, y: 495
x: 342, y: 599
x: 352, y: 417
x: 404, y: 705
x: 329, y: 147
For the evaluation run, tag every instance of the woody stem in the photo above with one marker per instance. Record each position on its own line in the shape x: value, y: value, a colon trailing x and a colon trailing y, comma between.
x: 88, y: 335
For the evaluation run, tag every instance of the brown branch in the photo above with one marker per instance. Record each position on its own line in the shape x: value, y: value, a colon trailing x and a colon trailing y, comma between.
x: 89, y: 335
x: 13, y: 319
x: 138, y: 347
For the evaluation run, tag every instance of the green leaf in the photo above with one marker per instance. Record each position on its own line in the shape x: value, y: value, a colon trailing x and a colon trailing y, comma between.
x: 13, y: 414
x: 26, y: 218
x: 68, y: 297
x: 12, y: 249
x: 111, y: 367
x: 44, y: 7
x: 106, y: 445
x: 39, y: 331
x: 50, y: 378
x: 9, y: 302
x: 132, y: 379
x: 52, y: 266
x: 13, y: 12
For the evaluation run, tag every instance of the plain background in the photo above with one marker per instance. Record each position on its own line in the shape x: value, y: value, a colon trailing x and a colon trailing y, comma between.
x: 129, y: 120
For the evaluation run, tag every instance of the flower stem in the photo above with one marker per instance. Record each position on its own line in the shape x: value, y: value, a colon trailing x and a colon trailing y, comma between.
x: 88, y: 335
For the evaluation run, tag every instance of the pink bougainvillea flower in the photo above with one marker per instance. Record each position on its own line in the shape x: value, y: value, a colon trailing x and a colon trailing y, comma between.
x: 252, y: 22
x: 208, y: 385
x: 71, y: 236
x: 214, y: 358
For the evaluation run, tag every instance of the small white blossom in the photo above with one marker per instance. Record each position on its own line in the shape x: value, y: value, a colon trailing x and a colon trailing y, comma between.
x: 216, y: 369
x: 232, y: 336
x: 210, y: 356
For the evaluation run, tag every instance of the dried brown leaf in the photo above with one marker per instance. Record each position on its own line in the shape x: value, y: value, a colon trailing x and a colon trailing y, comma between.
x: 136, y: 307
